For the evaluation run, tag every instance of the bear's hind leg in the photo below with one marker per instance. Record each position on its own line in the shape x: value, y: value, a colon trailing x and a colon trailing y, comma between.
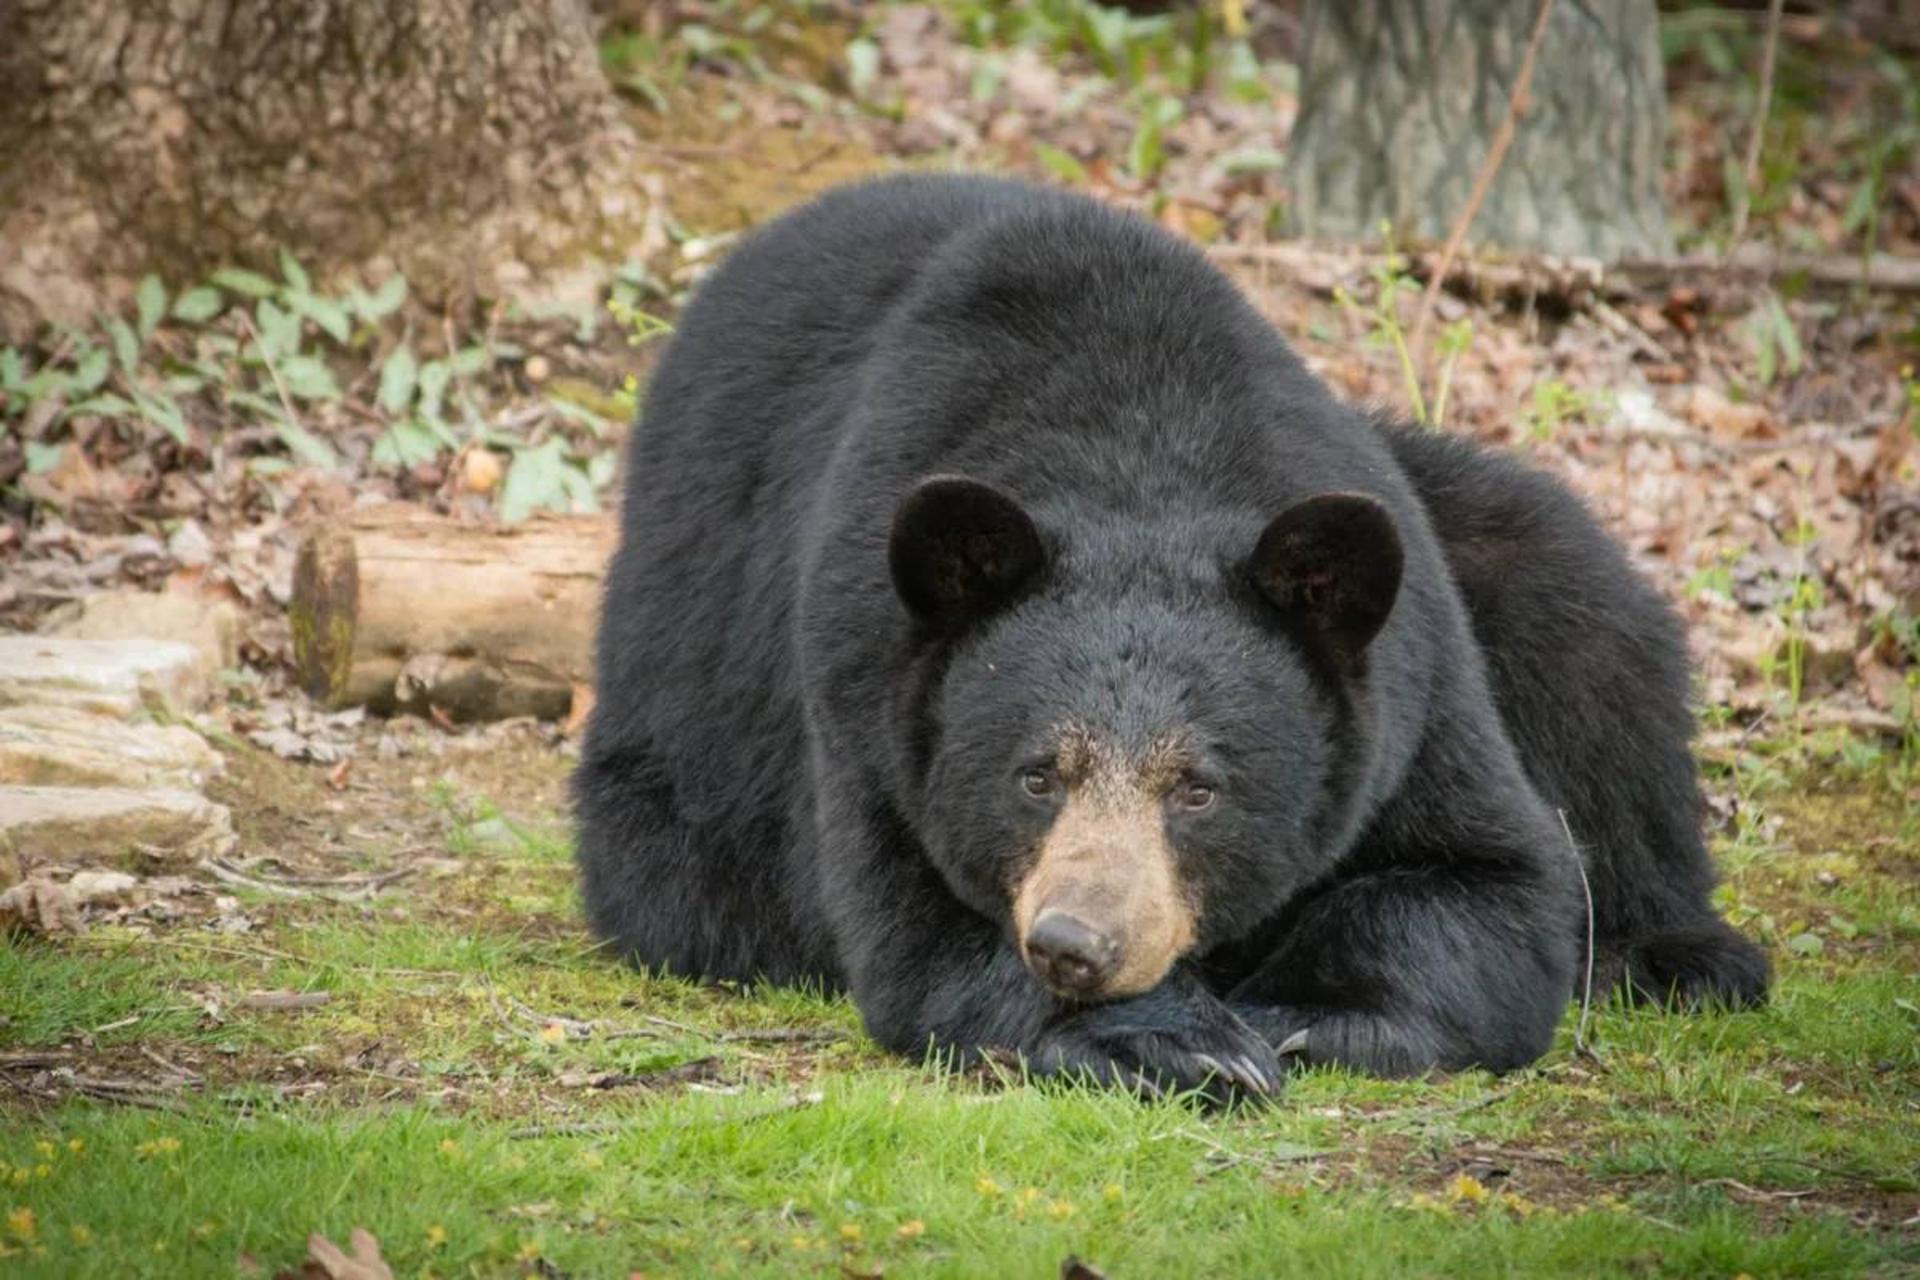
x: 673, y: 898
x: 1701, y: 966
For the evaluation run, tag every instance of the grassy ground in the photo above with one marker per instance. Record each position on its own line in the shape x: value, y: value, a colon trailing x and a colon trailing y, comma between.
x: 488, y: 1096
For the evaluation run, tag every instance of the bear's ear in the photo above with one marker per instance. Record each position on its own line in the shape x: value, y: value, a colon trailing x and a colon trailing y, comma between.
x: 960, y: 549
x: 1334, y: 559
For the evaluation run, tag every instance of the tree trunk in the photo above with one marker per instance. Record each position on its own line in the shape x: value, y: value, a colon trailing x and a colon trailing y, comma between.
x: 449, y: 136
x: 1400, y: 99
x: 396, y: 609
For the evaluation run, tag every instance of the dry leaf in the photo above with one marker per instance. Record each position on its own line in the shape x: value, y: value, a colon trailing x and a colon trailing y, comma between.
x: 365, y: 1263
x: 40, y: 906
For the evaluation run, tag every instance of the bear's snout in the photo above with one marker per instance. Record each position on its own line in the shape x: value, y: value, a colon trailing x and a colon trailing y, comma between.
x: 1100, y: 912
x: 1072, y: 957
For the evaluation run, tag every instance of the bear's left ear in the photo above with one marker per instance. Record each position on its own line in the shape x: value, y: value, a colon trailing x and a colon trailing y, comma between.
x: 1334, y: 559
x: 960, y: 549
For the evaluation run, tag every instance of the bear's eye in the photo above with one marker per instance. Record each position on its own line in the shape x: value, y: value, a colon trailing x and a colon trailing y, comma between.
x: 1194, y: 796
x: 1038, y: 783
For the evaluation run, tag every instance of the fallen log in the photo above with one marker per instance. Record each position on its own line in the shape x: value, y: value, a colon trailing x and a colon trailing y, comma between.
x: 1322, y: 267
x: 398, y: 609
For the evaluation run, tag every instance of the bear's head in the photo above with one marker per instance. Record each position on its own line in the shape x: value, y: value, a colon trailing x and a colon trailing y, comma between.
x: 1136, y: 741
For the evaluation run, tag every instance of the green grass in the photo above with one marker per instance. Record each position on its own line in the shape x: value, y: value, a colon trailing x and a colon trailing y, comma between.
x: 488, y: 1094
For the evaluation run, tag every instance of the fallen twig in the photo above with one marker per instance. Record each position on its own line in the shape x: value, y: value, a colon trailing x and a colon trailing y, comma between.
x: 1576, y: 281
x: 1231, y: 1156
x: 284, y: 1000
x: 1435, y: 1110
x: 1482, y: 183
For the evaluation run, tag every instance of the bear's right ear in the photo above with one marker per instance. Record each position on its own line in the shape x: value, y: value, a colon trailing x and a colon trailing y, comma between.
x: 1334, y: 559
x: 960, y: 549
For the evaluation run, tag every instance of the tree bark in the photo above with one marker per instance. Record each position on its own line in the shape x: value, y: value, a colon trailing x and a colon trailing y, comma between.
x: 1400, y: 99
x: 396, y: 609
x: 176, y: 135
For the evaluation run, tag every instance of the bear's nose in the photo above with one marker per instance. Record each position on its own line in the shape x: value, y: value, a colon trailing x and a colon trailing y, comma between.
x: 1070, y: 955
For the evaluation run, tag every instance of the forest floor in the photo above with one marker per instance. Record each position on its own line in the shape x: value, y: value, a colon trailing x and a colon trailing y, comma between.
x: 399, y: 1023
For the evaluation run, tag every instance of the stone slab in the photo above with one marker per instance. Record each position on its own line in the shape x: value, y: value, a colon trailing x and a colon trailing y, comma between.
x: 110, y: 677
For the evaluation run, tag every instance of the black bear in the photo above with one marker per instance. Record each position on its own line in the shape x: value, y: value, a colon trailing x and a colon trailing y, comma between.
x: 1007, y: 628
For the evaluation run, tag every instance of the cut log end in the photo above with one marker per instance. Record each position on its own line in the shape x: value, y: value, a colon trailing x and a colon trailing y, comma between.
x: 397, y: 609
x: 323, y: 613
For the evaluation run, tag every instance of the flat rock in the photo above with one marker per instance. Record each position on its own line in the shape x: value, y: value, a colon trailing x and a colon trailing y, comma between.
x: 64, y: 746
x: 211, y: 626
x: 110, y: 824
x: 110, y: 677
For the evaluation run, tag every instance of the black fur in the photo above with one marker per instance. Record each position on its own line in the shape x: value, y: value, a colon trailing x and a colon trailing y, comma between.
x: 813, y: 707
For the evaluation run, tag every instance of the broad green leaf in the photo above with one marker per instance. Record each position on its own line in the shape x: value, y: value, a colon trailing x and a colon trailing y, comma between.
x: 468, y: 361
x: 42, y: 458
x: 126, y: 347
x: 581, y: 414
x: 434, y: 376
x: 579, y: 490
x: 306, y: 446
x: 102, y: 406
x: 162, y: 412
x: 603, y: 468
x: 91, y: 370
x: 384, y: 301
x: 268, y: 409
x: 250, y: 283
x: 279, y: 329
x: 399, y: 375
x: 197, y: 306
x: 325, y: 312
x: 13, y: 370
x: 405, y: 444
x: 151, y: 299
x: 1806, y: 944
x: 308, y: 378
x: 294, y: 273
x: 533, y: 482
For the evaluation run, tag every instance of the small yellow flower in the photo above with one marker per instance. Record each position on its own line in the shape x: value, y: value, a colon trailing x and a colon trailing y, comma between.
x: 43, y: 1171
x: 81, y: 1236
x: 529, y: 1251
x: 45, y: 1149
x: 157, y: 1147
x: 1466, y: 1187
x: 21, y: 1224
x: 1028, y: 1195
x: 1059, y: 1210
x: 743, y: 1243
x: 986, y: 1186
x: 206, y: 1230
x: 159, y: 1246
x: 1427, y: 1204
x: 593, y: 1160
x: 436, y: 1236
x: 448, y: 1147
x: 553, y: 1033
x: 1113, y: 1193
x: 850, y: 1231
x: 77, y: 1145
x: 912, y: 1230
x: 801, y: 1243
